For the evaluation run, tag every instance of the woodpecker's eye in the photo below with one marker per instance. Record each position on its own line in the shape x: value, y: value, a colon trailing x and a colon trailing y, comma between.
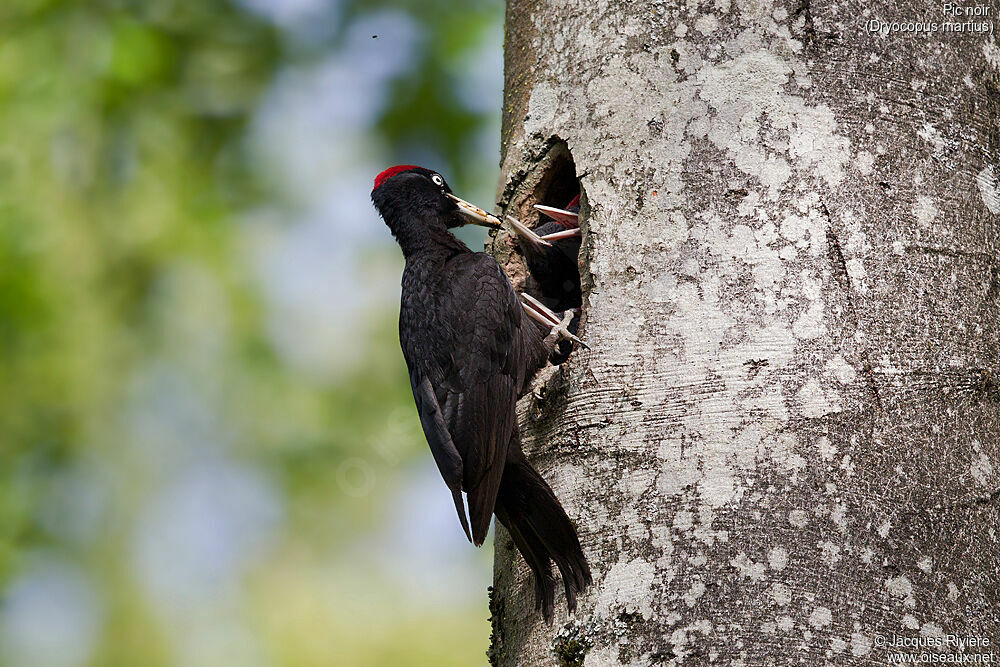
x: 437, y: 180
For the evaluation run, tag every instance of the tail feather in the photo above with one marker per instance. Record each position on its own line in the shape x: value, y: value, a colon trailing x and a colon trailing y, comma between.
x: 538, y: 560
x: 542, y: 533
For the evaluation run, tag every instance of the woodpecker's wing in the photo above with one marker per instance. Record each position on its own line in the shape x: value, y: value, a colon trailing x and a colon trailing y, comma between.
x: 489, y: 356
x: 470, y: 349
x: 448, y: 460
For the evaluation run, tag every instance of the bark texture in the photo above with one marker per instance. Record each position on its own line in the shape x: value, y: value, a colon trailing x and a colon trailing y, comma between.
x: 784, y: 443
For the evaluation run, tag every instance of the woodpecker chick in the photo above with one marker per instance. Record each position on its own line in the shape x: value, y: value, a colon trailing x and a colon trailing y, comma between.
x: 551, y: 251
x: 471, y: 351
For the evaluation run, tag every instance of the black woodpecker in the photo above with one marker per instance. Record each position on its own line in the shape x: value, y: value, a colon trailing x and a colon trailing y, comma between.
x: 471, y: 348
x: 550, y: 250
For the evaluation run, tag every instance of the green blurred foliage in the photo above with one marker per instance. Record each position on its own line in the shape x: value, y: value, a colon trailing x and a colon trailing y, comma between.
x: 117, y: 129
x: 124, y: 173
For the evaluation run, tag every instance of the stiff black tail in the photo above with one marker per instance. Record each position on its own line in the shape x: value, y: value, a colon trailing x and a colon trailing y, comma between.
x: 542, y: 533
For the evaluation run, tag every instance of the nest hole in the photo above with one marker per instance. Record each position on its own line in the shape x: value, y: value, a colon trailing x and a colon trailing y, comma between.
x: 553, y: 274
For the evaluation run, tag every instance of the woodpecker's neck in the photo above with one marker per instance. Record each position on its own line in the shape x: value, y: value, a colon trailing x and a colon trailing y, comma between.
x: 416, y: 237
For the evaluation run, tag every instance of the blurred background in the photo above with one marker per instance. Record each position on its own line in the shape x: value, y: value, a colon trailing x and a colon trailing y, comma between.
x: 209, y: 454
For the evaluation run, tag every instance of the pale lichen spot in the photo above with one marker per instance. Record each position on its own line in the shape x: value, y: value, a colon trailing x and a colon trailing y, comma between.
x: 829, y: 552
x: 810, y: 324
x: 637, y: 530
x: 910, y: 622
x: 777, y: 558
x: 982, y: 467
x: 753, y: 84
x: 847, y: 465
x: 925, y: 211
x: 925, y: 564
x: 748, y: 568
x: 839, y: 516
x: 883, y: 530
x: 820, y: 617
x: 865, y: 162
x: 856, y: 271
x: 600, y: 656
x: 816, y: 142
x: 842, y: 371
x: 815, y: 402
x: 628, y: 586
x: 930, y: 134
x: 696, y: 591
x: 785, y: 623
x: 837, y: 645
x: 989, y: 189
x: 900, y: 587
x: 812, y: 287
x: 952, y: 591
x: 706, y: 24
x: 931, y: 630
x: 860, y: 645
x: 719, y: 487
x: 992, y: 52
x: 827, y: 450
x: 798, y: 518
x: 793, y: 227
x: 543, y: 106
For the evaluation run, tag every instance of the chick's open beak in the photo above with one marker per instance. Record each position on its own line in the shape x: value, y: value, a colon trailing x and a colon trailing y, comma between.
x: 476, y: 215
x: 558, y: 236
x: 561, y: 215
x: 527, y: 233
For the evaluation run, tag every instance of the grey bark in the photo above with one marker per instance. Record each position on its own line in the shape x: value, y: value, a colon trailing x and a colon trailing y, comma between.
x: 784, y: 443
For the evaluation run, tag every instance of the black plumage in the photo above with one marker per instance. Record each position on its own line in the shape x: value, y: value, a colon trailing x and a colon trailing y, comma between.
x: 471, y: 352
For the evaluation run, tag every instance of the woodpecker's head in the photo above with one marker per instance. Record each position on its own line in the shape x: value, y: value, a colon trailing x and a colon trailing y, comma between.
x: 407, y: 194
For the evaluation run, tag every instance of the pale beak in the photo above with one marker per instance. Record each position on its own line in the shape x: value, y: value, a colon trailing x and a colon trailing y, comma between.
x: 558, y: 236
x: 527, y: 233
x: 562, y: 216
x: 476, y: 215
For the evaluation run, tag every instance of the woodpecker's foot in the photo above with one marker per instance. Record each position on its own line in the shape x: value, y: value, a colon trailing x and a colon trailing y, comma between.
x: 560, y: 325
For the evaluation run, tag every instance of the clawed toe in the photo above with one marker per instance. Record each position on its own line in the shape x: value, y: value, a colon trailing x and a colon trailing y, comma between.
x: 560, y: 325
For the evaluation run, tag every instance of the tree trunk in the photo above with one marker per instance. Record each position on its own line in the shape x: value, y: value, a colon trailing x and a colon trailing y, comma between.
x: 783, y: 447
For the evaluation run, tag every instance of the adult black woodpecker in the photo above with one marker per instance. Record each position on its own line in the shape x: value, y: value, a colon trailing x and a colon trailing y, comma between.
x: 471, y: 350
x: 550, y: 250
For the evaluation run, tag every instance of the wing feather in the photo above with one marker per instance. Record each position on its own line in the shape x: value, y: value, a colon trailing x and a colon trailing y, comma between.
x: 466, y: 344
